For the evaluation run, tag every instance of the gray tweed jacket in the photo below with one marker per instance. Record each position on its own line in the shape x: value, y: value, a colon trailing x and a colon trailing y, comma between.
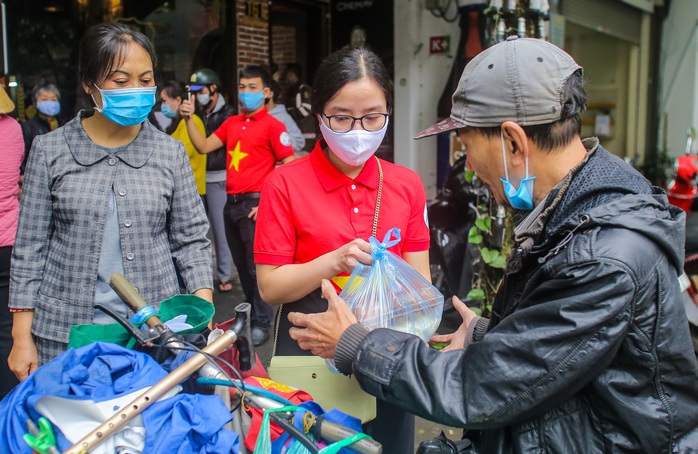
x: 69, y: 180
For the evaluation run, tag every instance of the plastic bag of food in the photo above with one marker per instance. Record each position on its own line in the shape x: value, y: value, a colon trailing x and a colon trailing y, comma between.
x: 392, y: 294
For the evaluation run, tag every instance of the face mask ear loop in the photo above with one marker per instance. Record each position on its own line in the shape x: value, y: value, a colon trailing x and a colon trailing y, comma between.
x: 504, y: 158
x: 526, y: 167
x: 95, y: 101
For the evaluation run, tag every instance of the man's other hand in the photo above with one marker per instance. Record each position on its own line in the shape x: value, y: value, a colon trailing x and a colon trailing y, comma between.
x: 456, y: 341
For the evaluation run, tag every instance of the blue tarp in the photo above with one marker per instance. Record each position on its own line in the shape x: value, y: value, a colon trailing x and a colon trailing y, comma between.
x: 185, y: 423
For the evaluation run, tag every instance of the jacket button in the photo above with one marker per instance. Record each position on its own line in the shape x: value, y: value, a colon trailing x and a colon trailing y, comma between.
x: 130, y: 256
x: 122, y: 192
x: 127, y: 223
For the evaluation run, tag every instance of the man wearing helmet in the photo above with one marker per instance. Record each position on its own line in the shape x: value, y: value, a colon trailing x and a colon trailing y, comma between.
x: 205, y: 84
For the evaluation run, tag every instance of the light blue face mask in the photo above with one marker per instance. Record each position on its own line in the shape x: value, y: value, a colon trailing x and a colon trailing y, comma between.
x: 251, y: 100
x: 50, y: 108
x: 127, y: 106
x: 522, y: 198
x: 167, y: 111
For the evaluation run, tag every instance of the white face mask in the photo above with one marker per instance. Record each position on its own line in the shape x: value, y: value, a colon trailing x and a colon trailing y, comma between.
x: 353, y: 147
x: 203, y: 98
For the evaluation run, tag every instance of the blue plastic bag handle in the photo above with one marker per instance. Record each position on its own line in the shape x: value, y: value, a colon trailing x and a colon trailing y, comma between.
x: 378, y: 249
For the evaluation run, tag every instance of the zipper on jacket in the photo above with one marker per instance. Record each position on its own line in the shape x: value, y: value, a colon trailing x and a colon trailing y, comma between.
x: 583, y: 219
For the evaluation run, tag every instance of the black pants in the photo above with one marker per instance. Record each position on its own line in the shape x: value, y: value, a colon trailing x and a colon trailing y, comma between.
x: 7, y: 378
x: 239, y: 231
x: 393, y: 428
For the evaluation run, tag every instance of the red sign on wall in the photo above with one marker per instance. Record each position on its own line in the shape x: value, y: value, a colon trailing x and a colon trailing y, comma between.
x: 439, y: 44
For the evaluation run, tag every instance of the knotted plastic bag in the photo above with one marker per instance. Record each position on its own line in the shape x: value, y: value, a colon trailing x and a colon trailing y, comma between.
x: 392, y: 294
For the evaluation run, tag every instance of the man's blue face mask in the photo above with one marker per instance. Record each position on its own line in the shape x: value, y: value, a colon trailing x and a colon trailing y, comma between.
x: 522, y: 198
x: 251, y: 100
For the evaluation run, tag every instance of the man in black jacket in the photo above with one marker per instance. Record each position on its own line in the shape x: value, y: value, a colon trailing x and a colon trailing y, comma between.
x: 588, y: 348
x: 206, y: 85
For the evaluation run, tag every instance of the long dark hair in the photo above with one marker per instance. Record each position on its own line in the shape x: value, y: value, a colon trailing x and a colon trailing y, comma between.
x: 102, y: 49
x: 348, y: 65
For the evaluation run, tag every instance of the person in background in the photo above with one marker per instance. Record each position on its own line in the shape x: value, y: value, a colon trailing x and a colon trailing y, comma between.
x: 172, y: 94
x: 11, y: 151
x: 105, y: 193
x: 588, y: 348
x: 255, y: 141
x: 47, y: 100
x: 280, y: 113
x: 317, y: 213
x: 297, y: 98
x: 293, y: 86
x: 205, y: 86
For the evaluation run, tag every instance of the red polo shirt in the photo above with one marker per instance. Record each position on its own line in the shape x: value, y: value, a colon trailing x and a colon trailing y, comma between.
x: 254, y: 145
x: 308, y: 208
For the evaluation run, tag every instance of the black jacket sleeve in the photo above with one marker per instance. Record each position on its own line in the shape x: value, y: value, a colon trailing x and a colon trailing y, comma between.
x: 561, y: 336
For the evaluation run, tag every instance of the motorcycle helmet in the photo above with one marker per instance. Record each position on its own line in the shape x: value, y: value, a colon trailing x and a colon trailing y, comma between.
x: 203, y: 77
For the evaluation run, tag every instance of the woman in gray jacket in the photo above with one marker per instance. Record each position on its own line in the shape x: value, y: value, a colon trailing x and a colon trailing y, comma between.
x: 106, y: 193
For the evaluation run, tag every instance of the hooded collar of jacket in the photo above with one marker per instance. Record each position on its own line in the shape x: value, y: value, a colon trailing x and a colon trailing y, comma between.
x: 87, y: 153
x: 605, y: 191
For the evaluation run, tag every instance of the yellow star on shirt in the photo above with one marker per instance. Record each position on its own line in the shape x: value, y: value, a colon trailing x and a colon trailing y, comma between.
x: 236, y: 156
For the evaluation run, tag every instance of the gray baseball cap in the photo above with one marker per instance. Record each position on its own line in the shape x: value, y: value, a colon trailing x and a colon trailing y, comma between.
x: 519, y: 79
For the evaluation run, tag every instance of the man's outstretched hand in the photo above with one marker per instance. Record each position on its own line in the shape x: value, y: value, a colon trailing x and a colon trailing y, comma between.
x: 320, y: 332
x: 456, y: 341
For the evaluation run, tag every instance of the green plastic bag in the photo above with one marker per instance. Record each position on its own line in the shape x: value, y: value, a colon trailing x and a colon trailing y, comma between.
x: 199, y: 313
x: 263, y: 443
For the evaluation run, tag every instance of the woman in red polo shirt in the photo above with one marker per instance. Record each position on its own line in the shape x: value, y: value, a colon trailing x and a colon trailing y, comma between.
x: 317, y: 212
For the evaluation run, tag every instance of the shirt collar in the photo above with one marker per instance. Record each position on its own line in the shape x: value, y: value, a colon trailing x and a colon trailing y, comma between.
x: 258, y: 116
x: 87, y: 153
x: 331, y: 178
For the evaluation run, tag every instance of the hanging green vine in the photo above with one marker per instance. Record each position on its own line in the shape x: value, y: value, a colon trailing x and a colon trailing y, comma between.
x: 492, y: 236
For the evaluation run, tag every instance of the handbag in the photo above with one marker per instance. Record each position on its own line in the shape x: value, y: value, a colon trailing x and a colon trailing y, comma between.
x: 310, y: 373
x: 329, y: 389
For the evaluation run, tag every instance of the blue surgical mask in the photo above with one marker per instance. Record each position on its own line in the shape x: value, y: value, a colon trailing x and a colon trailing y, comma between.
x: 127, y: 106
x: 49, y: 108
x: 251, y: 100
x: 167, y: 111
x: 522, y: 198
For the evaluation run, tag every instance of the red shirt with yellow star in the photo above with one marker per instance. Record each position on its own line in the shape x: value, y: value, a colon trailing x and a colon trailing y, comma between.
x: 308, y: 208
x: 254, y: 145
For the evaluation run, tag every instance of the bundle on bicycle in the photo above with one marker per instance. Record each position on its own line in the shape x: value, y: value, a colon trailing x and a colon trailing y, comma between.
x: 173, y: 393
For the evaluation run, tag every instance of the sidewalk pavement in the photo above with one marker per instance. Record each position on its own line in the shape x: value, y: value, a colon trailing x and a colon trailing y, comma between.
x: 225, y: 309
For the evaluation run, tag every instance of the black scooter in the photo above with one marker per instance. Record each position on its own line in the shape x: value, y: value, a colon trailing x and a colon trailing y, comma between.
x: 451, y: 215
